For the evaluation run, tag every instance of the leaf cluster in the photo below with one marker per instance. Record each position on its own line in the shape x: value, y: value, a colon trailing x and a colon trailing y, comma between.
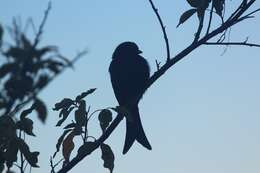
x: 11, y: 142
x: 79, y: 128
x: 25, y: 68
x: 199, y: 7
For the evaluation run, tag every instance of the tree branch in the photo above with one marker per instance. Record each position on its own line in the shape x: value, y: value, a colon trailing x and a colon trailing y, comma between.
x: 163, y: 30
x: 233, y: 43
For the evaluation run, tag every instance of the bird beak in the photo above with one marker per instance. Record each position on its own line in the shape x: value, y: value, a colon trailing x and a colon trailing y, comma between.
x: 139, y: 52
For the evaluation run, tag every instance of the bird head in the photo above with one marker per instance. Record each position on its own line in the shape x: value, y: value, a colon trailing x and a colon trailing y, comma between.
x: 126, y: 49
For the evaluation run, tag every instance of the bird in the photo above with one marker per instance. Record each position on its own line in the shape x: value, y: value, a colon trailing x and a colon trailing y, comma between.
x: 129, y: 74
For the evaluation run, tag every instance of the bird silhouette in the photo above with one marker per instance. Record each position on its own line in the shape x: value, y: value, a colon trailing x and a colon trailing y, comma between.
x: 129, y: 74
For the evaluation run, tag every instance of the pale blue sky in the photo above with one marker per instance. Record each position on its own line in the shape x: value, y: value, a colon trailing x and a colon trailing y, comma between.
x: 202, y: 116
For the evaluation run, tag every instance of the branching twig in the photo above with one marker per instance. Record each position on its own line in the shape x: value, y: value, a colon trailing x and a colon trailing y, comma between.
x: 163, y: 30
x: 40, y: 31
x: 233, y: 43
x: 201, y: 21
x: 157, y: 64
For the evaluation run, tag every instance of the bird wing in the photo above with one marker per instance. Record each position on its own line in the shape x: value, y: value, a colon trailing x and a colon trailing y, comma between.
x: 128, y: 78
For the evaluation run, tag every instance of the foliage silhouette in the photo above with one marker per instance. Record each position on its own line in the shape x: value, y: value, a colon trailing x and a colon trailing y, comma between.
x: 25, y: 71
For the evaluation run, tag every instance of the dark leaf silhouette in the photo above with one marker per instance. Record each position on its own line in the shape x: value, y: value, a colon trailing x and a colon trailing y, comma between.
x: 68, y: 146
x: 219, y: 6
x: 108, y: 157
x: 2, y: 166
x: 26, y: 42
x: 42, y: 81
x: 27, y: 112
x: 1, y: 38
x: 199, y: 3
x: 7, y: 68
x: 7, y: 128
x: 31, y: 157
x: 64, y: 113
x: 41, y: 109
x: 10, y: 155
x: 86, y: 148
x: 105, y: 117
x: 60, y: 140
x: 186, y: 15
x: 26, y: 125
x: 80, y: 114
x: 65, y: 103
x: 84, y: 94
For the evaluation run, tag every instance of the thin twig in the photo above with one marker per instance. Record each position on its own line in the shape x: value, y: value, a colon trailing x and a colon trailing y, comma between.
x: 233, y: 43
x: 201, y: 21
x: 40, y: 31
x: 210, y: 18
x: 157, y: 64
x: 21, y: 155
x: 163, y: 30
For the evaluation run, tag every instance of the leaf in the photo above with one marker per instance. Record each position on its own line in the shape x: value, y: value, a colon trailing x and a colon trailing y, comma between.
x: 7, y: 127
x: 15, y: 53
x: 7, y: 68
x: 194, y: 3
x: 105, y: 117
x: 107, y: 156
x: 1, y: 40
x: 10, y: 154
x: 84, y: 94
x: 219, y: 6
x: 59, y: 142
x: 40, y: 52
x: 42, y: 81
x: 65, y: 103
x: 26, y: 125
x: 31, y: 157
x: 2, y: 166
x: 64, y: 113
x: 54, y: 66
x: 186, y: 15
x: 80, y: 114
x: 27, y: 112
x: 41, y: 109
x: 26, y: 42
x: 86, y: 149
x: 199, y: 4
x: 201, y: 13
x: 68, y: 146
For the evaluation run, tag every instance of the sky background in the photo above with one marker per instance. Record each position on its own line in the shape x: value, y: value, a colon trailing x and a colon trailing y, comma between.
x: 202, y: 116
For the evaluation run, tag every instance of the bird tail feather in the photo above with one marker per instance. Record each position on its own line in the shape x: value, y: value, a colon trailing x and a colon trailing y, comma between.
x: 135, y: 131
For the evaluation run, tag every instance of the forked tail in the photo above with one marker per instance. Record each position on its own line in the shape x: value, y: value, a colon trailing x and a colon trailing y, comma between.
x: 135, y: 131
